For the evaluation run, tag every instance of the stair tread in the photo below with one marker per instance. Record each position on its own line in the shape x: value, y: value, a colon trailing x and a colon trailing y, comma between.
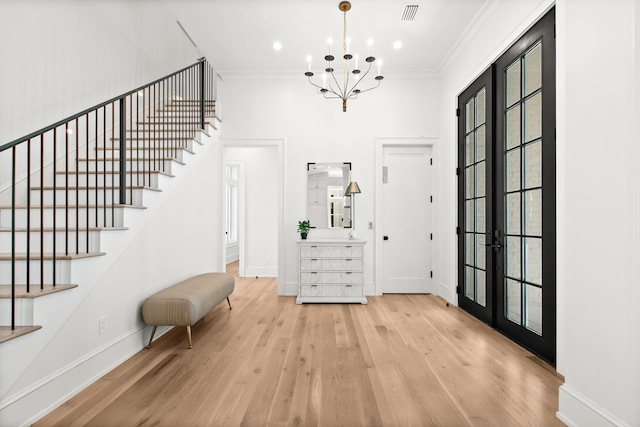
x: 132, y: 159
x: 191, y: 131
x: 34, y: 290
x: 144, y: 148
x: 117, y: 206
x: 73, y: 229
x: 49, y: 256
x: 185, y: 138
x: 6, y: 334
x: 100, y: 187
x: 112, y: 172
x: 173, y: 122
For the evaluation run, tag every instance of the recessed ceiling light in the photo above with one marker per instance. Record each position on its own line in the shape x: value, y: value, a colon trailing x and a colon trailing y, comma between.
x: 397, y: 45
x: 277, y: 45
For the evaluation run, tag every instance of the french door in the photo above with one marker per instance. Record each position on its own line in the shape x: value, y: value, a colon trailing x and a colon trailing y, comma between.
x: 506, y: 192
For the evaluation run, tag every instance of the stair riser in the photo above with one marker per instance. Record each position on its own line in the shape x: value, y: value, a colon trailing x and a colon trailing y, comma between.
x: 175, y: 154
x: 48, y: 236
x: 62, y: 267
x: 154, y: 135
x: 136, y: 165
x: 61, y: 218
x: 103, y: 197
x: 162, y: 148
x: 109, y: 180
x: 24, y: 312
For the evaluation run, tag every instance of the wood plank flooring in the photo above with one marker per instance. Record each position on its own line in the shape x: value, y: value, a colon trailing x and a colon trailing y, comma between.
x: 401, y: 360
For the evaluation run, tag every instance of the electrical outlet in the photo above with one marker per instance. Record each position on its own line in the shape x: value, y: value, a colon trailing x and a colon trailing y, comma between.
x: 370, y: 225
x: 102, y: 325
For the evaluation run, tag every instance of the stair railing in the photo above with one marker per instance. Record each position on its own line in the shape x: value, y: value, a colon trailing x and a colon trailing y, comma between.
x: 71, y: 169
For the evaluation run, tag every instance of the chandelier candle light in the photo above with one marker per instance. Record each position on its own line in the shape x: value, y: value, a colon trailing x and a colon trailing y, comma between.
x: 331, y: 88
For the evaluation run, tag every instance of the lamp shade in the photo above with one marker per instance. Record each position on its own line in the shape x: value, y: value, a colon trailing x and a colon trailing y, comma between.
x: 352, y: 188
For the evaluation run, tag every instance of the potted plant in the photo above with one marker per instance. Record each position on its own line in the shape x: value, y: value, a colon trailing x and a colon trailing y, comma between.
x: 303, y: 228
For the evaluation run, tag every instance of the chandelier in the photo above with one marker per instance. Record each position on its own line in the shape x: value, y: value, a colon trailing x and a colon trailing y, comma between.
x: 349, y: 88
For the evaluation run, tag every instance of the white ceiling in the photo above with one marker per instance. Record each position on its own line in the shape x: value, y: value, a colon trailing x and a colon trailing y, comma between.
x: 237, y: 36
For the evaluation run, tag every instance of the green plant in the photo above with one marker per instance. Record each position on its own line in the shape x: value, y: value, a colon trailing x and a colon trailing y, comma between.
x: 303, y: 227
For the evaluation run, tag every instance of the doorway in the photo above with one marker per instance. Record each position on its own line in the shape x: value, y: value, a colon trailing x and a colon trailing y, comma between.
x: 506, y: 192
x: 260, y: 201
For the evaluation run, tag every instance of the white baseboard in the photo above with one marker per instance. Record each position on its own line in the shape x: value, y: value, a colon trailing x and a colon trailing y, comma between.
x: 33, y: 403
x: 261, y: 271
x: 291, y: 289
x: 577, y: 410
x: 447, y: 293
x: 369, y: 289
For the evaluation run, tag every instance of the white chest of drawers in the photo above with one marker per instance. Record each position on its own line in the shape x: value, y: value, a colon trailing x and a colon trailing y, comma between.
x: 331, y: 271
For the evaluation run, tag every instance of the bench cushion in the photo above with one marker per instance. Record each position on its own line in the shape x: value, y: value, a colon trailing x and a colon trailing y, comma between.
x: 184, y: 303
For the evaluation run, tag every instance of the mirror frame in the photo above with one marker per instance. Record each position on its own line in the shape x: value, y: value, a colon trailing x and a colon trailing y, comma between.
x: 347, y: 205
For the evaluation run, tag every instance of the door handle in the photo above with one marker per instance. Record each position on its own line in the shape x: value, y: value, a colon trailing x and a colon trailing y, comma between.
x: 495, y: 246
x: 385, y: 237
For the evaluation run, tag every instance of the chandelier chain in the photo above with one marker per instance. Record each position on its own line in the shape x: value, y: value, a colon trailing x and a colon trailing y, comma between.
x: 344, y: 51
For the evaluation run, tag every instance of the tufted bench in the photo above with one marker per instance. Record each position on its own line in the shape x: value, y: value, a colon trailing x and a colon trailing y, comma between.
x: 184, y: 303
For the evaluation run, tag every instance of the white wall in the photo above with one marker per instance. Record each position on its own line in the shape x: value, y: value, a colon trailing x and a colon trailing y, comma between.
x: 259, y: 235
x: 598, y: 217
x: 316, y: 130
x: 60, y: 57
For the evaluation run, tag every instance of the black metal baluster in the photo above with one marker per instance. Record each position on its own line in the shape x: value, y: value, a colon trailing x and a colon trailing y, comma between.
x: 104, y: 160
x: 123, y: 158
x: 66, y: 189
x: 78, y: 189
x: 28, y: 215
x: 55, y: 195
x: 13, y: 238
x: 86, y: 157
x: 202, y: 94
x: 42, y: 211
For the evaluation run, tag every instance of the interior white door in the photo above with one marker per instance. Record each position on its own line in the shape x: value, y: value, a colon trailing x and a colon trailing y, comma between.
x: 406, y: 219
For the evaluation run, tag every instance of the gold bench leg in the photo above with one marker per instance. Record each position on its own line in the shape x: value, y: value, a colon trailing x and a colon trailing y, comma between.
x: 152, y: 334
x: 189, y: 335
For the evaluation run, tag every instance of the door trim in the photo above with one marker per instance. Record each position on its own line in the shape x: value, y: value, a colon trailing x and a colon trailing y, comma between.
x: 380, y: 143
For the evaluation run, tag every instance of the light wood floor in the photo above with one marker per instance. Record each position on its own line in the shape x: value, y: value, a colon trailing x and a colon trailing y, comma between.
x: 401, y: 360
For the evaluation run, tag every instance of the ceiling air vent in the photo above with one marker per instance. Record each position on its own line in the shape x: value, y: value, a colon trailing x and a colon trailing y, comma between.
x: 409, y: 13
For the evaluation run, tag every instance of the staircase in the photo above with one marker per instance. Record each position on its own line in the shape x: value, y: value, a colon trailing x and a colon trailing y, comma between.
x: 74, y: 180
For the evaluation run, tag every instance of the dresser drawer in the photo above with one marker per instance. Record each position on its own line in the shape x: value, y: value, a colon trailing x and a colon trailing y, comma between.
x: 331, y: 290
x: 325, y: 277
x: 319, y: 264
x: 331, y: 251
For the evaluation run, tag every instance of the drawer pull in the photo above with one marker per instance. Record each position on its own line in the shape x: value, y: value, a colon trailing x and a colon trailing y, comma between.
x: 349, y: 247
x: 348, y: 272
x: 314, y: 259
x: 349, y: 259
x: 314, y: 286
x: 348, y: 286
x: 314, y: 272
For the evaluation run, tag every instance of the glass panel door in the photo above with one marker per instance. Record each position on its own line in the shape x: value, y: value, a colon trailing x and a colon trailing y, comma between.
x: 475, y: 105
x: 506, y: 167
x: 525, y: 189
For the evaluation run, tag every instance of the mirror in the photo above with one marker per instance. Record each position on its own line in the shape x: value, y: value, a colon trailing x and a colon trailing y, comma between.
x: 327, y: 206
